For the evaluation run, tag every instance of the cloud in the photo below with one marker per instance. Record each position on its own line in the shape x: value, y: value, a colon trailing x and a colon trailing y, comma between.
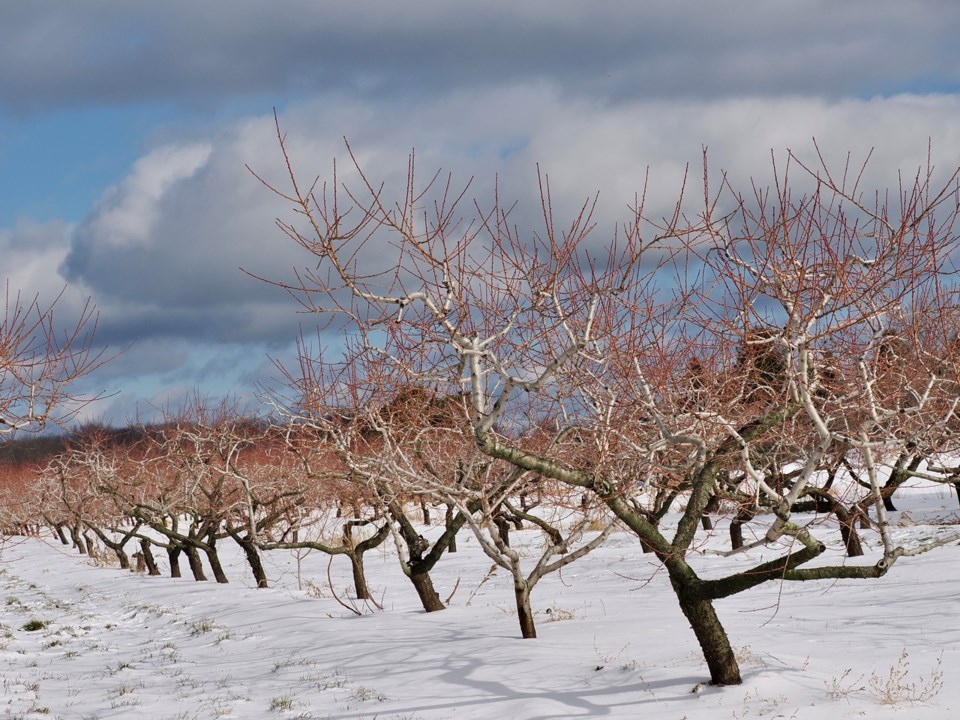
x: 126, y: 214
x: 29, y: 255
x: 28, y: 250
x: 118, y: 241
x: 63, y: 54
x: 161, y: 252
x: 595, y: 93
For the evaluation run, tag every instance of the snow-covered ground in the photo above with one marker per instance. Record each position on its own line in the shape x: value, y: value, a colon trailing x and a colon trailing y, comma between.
x: 612, y: 643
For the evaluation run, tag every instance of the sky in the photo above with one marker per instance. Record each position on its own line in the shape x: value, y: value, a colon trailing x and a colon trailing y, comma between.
x: 126, y: 129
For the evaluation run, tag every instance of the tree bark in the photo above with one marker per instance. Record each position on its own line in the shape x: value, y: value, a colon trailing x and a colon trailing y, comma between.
x: 173, y: 556
x: 423, y: 584
x: 78, y: 542
x: 524, y: 613
x: 253, y: 560
x: 213, y: 557
x: 196, y: 567
x: 714, y: 643
x: 148, y: 559
x: 359, y: 576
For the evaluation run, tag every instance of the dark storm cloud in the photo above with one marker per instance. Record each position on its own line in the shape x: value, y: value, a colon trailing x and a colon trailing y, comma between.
x: 65, y: 53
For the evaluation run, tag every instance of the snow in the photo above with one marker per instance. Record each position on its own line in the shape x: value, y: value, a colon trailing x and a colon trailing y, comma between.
x: 612, y: 642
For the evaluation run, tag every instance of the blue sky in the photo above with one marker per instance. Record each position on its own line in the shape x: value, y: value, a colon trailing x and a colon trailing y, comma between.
x: 125, y: 128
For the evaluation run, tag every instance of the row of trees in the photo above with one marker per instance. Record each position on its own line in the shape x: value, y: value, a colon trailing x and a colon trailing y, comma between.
x: 181, y: 487
x: 41, y: 358
x: 783, y: 359
x: 211, y: 475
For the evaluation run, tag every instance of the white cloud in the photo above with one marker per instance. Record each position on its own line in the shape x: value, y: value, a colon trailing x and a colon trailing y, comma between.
x: 127, y: 213
x: 29, y: 255
x: 161, y: 253
x: 595, y: 93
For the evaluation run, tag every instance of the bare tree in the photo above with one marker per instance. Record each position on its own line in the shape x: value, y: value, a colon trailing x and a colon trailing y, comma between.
x: 551, y: 331
x: 362, y: 434
x: 568, y: 535
x: 75, y: 480
x: 316, y: 507
x: 40, y: 360
x: 415, y: 447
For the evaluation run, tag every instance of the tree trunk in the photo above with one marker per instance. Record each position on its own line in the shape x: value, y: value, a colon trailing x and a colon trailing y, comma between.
x: 736, y: 526
x: 736, y: 534
x: 427, y: 593
x: 356, y: 560
x: 524, y: 613
x: 452, y: 545
x: 196, y: 567
x: 847, y: 518
x: 423, y: 557
x: 848, y: 531
x: 901, y: 472
x: 359, y: 576
x: 122, y: 557
x: 699, y: 611
x: 214, y: 559
x: 148, y: 560
x: 173, y: 555
x: 253, y: 559
x: 65, y: 541
x: 78, y: 542
x: 92, y: 550
x: 712, y: 506
x: 503, y: 529
x: 714, y: 643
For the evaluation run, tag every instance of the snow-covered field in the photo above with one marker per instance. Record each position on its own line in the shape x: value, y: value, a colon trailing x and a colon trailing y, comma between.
x: 613, y: 644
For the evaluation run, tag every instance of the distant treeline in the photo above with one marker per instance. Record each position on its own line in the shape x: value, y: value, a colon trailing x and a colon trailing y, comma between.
x: 32, y: 449
x: 38, y: 449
